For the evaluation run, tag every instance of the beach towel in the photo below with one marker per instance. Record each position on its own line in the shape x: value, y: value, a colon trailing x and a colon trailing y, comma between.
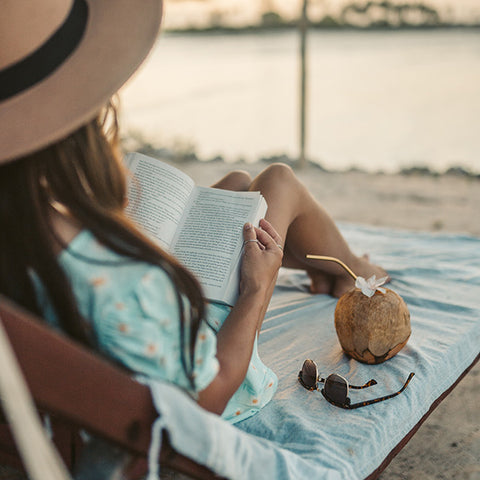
x: 301, y: 435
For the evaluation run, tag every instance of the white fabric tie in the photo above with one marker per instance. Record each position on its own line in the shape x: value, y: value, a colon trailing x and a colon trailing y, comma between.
x: 155, y: 449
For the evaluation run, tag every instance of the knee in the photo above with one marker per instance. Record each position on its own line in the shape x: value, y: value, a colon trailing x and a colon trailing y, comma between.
x: 238, y: 180
x: 280, y: 172
x: 242, y: 178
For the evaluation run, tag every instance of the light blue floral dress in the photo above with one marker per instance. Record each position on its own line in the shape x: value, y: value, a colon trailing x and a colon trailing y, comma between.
x: 133, y: 309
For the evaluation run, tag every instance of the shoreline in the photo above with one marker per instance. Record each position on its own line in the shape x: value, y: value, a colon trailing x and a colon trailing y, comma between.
x: 293, y: 26
x: 184, y: 158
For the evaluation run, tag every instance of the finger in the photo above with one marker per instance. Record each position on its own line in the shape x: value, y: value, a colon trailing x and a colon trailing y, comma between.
x: 249, y: 232
x: 266, y: 239
x: 268, y: 227
x: 250, y: 237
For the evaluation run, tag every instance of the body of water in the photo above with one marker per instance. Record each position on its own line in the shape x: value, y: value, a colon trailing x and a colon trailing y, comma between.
x: 377, y: 100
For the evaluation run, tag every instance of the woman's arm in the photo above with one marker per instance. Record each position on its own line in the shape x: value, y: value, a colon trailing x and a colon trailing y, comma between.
x: 235, y: 339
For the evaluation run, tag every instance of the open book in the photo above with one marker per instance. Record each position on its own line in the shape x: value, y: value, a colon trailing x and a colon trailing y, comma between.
x: 200, y: 226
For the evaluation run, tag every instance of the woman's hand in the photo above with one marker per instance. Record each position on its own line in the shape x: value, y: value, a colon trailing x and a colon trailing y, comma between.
x: 262, y: 258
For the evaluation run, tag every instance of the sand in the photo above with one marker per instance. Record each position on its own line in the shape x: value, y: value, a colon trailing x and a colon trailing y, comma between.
x: 442, y: 203
x: 447, y: 445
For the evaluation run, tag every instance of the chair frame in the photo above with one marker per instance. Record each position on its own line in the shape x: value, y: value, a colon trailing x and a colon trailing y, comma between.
x: 82, y: 391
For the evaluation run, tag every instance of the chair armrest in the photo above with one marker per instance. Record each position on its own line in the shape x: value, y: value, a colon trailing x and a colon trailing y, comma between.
x: 85, y: 390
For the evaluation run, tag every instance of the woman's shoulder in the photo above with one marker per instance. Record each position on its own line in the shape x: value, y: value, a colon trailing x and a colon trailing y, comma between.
x: 86, y: 256
x: 98, y: 274
x: 84, y: 247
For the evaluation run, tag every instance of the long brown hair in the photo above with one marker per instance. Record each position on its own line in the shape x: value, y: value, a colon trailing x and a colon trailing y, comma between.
x: 84, y: 174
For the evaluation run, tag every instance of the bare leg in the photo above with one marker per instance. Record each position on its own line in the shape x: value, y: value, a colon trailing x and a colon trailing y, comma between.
x: 307, y: 228
x: 238, y: 180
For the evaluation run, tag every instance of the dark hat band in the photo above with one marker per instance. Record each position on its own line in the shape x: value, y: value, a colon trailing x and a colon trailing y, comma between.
x: 48, y: 57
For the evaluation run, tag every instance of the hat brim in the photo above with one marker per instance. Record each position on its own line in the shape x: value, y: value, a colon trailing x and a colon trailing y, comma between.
x: 118, y: 36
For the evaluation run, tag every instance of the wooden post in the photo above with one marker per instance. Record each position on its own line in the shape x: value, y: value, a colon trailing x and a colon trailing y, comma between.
x: 303, y: 83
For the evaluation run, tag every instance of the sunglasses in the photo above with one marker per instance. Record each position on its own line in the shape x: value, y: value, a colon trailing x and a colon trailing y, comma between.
x: 335, y: 389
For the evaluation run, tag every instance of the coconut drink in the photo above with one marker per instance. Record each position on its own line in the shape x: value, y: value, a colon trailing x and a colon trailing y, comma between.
x: 372, y: 322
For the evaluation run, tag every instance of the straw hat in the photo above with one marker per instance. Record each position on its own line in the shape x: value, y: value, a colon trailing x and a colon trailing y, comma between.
x: 61, y: 60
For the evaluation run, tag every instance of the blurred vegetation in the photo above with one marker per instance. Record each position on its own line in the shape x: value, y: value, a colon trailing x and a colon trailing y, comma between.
x: 386, y: 14
x: 371, y: 14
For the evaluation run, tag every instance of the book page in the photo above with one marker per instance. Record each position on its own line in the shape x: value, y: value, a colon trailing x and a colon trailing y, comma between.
x: 157, y: 196
x: 209, y: 240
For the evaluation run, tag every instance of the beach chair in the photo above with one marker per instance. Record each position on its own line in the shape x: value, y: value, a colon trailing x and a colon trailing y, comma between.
x: 79, y: 391
x: 299, y: 434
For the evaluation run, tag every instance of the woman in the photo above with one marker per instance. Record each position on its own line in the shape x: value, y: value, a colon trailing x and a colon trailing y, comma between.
x: 69, y: 253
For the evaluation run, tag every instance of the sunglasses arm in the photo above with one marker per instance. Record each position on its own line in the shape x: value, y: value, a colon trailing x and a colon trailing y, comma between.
x: 376, y: 400
x: 370, y: 383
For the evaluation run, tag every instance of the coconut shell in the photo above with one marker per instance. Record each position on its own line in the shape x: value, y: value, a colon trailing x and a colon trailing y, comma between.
x: 372, y: 329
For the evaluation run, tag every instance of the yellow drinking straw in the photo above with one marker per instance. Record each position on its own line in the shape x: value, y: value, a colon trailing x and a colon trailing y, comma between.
x: 333, y: 259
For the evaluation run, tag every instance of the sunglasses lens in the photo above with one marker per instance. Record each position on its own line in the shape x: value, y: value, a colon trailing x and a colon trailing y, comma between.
x: 336, y: 388
x: 309, y: 373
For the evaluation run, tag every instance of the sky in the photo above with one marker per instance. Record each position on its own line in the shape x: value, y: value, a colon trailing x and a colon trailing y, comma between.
x: 184, y: 13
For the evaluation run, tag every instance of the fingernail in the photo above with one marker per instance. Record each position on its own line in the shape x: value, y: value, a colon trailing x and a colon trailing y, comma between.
x: 248, y: 226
